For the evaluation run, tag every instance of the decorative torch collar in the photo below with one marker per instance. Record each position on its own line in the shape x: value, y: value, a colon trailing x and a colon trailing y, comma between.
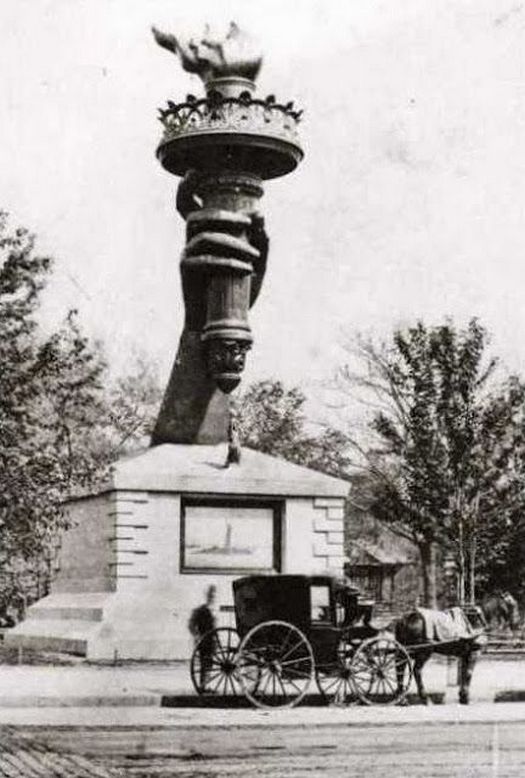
x: 216, y: 113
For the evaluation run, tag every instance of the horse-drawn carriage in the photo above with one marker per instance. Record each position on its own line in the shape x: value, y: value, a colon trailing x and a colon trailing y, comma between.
x: 292, y: 629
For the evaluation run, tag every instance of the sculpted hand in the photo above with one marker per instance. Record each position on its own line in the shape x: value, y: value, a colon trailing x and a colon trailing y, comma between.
x: 260, y: 242
x: 214, y: 235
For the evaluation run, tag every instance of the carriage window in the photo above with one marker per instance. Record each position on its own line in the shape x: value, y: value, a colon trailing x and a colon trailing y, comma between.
x: 320, y: 603
x: 228, y: 537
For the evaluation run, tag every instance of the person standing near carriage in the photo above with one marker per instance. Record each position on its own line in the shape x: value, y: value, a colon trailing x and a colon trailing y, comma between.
x: 201, y: 626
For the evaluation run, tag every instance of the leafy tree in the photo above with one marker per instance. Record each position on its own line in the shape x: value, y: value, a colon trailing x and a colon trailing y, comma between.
x: 133, y: 402
x: 441, y: 468
x: 499, y: 551
x: 72, y: 407
x: 272, y: 419
x: 21, y: 280
x: 50, y: 398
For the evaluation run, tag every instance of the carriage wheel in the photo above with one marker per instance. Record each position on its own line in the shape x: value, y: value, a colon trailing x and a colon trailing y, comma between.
x: 381, y: 671
x: 213, y: 664
x: 335, y: 684
x: 334, y: 680
x: 275, y: 665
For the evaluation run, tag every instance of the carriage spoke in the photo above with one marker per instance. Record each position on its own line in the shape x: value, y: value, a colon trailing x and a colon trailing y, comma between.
x: 212, y: 676
x: 218, y: 663
x: 208, y: 679
x: 268, y: 690
x: 214, y: 661
x: 224, y: 684
x: 343, y: 692
x: 381, y: 671
x: 283, y: 689
x: 232, y: 685
x: 285, y: 643
x: 285, y: 663
x: 216, y: 687
x: 381, y: 685
x: 219, y: 652
x: 390, y: 684
x: 292, y: 683
x: 293, y: 661
x: 268, y: 677
x: 297, y: 674
x: 288, y: 653
x: 363, y: 672
x: 333, y: 682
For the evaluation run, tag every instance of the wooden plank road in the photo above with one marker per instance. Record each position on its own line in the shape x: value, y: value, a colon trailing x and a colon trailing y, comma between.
x: 428, y: 750
x: 22, y: 757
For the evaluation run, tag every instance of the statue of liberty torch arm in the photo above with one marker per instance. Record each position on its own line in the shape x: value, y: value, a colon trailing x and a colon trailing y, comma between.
x: 212, y: 234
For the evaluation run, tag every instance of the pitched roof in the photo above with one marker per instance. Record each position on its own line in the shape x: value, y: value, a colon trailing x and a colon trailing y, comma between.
x: 201, y: 469
x: 363, y: 552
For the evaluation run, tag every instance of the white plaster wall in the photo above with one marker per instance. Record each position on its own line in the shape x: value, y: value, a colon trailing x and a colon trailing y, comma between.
x: 298, y: 536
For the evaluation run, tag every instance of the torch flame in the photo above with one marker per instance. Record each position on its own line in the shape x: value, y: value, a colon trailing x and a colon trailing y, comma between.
x: 210, y: 58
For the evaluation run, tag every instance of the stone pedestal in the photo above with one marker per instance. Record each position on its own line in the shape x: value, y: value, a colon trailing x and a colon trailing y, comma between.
x: 122, y: 588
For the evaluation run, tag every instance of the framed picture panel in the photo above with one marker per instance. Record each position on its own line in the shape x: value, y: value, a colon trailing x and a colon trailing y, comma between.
x: 228, y: 536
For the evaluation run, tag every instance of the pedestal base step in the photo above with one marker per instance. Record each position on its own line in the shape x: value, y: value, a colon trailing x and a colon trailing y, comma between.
x: 69, y: 636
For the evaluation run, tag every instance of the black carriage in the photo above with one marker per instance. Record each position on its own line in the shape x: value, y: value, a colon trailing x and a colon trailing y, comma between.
x: 292, y: 629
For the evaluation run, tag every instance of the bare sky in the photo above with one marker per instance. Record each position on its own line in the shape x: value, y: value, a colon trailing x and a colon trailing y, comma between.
x: 410, y: 201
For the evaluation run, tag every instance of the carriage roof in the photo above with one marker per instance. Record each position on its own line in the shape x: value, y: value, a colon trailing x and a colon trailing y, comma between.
x: 283, y: 597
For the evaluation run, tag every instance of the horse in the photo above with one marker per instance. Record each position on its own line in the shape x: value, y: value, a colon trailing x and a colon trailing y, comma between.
x: 501, y: 611
x: 419, y: 632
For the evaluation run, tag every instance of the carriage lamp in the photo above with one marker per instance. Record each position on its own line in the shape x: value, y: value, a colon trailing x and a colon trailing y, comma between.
x: 229, y: 141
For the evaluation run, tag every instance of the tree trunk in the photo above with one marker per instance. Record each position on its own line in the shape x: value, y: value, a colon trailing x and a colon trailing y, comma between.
x: 428, y: 562
x: 472, y: 551
x: 461, y: 561
x: 472, y: 572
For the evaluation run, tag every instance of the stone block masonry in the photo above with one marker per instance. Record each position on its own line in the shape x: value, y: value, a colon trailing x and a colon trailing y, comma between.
x: 328, y: 538
x: 122, y: 589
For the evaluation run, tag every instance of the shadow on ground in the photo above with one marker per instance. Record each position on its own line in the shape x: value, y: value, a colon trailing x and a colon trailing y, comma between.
x: 228, y: 701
